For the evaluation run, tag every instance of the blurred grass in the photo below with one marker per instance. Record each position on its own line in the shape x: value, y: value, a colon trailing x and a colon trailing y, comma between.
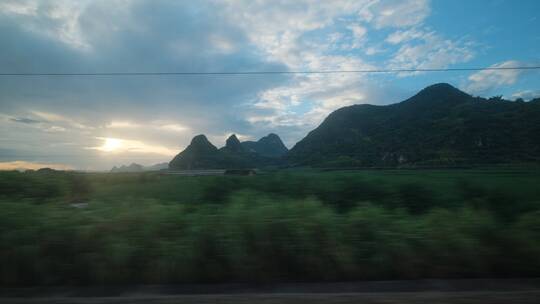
x: 279, y: 226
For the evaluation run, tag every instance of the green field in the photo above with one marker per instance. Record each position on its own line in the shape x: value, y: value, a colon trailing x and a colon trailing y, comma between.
x: 59, y: 228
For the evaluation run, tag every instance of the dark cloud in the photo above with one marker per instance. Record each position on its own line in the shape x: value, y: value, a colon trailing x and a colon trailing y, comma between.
x: 24, y: 120
x: 146, y: 36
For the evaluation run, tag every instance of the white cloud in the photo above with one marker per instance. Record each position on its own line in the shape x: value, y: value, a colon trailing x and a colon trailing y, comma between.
x: 57, y: 118
x: 279, y: 30
x: 19, y: 7
x: 359, y: 33
x: 401, y: 36
x: 173, y: 127
x: 317, y: 94
x: 67, y: 13
x: 483, y: 81
x: 222, y: 44
x: 395, y: 13
x: 306, y: 100
x: 527, y: 94
x: 276, y: 27
x: 55, y: 129
x: 123, y: 124
x: 373, y: 50
x: 57, y: 19
x: 428, y: 51
x: 157, y: 125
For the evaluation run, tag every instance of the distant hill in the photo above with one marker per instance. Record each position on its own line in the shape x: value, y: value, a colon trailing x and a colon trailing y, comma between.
x: 269, y: 146
x: 157, y: 167
x: 439, y: 126
x: 133, y: 167
x: 201, y: 154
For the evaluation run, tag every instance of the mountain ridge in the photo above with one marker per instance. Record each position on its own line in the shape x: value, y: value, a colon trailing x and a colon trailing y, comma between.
x: 440, y: 125
x: 201, y: 154
x: 269, y: 146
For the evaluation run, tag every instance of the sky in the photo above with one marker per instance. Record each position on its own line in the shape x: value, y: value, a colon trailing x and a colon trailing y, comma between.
x: 96, y: 122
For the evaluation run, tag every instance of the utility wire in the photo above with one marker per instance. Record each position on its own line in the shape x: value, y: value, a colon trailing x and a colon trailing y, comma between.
x: 272, y: 72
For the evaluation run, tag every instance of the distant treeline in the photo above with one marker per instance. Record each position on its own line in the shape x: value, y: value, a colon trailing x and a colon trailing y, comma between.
x: 284, y: 226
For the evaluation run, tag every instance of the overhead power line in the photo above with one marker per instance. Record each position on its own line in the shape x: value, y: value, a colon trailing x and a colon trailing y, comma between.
x: 366, y: 71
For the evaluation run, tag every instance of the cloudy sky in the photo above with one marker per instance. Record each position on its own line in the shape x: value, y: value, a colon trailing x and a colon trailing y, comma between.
x: 95, y: 122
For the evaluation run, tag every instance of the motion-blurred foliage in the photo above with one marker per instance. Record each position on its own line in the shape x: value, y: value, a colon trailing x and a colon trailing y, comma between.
x: 72, y: 228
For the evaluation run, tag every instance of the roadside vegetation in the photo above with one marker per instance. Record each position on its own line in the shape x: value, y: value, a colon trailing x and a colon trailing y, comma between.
x: 71, y: 228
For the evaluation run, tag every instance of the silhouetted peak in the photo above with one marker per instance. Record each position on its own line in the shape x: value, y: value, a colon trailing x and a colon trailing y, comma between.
x: 271, y: 138
x: 440, y: 93
x: 440, y: 89
x: 441, y: 86
x: 232, y: 141
x: 199, y: 139
x: 233, y: 144
x: 201, y: 144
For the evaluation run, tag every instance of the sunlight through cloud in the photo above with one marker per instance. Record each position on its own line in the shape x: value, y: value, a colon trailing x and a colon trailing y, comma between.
x: 117, y: 145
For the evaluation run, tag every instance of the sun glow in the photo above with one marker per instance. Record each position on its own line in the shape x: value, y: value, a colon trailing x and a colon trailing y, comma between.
x: 111, y: 144
x: 116, y: 145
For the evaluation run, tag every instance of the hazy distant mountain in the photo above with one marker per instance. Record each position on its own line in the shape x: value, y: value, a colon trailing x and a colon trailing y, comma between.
x: 133, y: 167
x: 440, y: 125
x: 269, y: 146
x: 201, y: 154
x: 157, y: 167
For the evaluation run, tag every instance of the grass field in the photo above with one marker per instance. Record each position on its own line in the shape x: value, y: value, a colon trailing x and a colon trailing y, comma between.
x: 59, y: 228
